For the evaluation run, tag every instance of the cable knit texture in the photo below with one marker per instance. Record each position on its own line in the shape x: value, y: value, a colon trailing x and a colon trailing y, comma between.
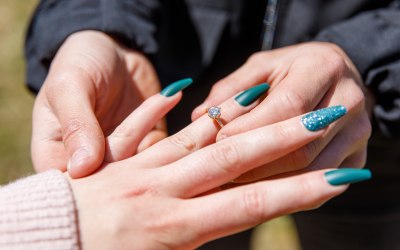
x: 38, y: 212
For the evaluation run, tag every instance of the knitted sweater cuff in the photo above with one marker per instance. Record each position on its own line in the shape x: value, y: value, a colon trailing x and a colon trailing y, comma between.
x: 38, y: 212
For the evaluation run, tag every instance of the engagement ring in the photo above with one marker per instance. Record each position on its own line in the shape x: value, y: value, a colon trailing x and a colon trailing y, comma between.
x: 214, y: 113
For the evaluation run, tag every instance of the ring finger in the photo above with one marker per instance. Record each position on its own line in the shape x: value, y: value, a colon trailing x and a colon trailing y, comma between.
x: 202, y: 132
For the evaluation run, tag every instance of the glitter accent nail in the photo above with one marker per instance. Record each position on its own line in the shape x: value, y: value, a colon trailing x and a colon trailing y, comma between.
x: 319, y: 119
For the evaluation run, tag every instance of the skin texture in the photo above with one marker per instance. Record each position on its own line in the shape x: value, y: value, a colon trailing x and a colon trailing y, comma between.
x: 152, y: 199
x: 303, y: 78
x: 94, y: 83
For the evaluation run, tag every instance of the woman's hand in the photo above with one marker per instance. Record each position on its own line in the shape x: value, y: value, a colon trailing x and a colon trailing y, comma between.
x: 94, y: 83
x: 169, y: 195
x: 303, y: 78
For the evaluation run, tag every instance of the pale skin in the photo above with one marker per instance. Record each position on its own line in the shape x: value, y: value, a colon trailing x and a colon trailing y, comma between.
x: 169, y: 195
x: 148, y: 199
x: 80, y: 104
x: 94, y: 83
x: 303, y: 78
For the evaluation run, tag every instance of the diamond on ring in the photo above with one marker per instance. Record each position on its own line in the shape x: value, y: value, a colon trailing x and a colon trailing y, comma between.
x: 214, y: 113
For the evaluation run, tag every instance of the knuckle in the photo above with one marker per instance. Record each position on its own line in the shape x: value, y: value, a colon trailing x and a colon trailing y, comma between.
x: 67, y: 82
x: 335, y: 63
x: 72, y: 128
x: 256, y: 58
x: 282, y: 133
x: 362, y: 158
x: 358, y: 98
x: 218, y: 86
x: 228, y: 84
x: 361, y: 129
x: 254, y: 204
x: 355, y: 99
x: 304, y: 156
x: 294, y: 102
x: 227, y: 156
x: 364, y: 128
x: 62, y: 80
x: 185, y: 141
x: 56, y: 84
x: 123, y: 131
x: 305, y: 186
x: 356, y: 160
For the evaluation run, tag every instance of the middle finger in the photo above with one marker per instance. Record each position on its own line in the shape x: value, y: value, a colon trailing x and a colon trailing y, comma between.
x: 226, y: 160
x: 202, y: 132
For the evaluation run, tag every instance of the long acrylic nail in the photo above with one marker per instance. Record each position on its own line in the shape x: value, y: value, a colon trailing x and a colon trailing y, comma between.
x: 344, y: 176
x: 249, y: 96
x: 175, y: 87
x: 319, y: 119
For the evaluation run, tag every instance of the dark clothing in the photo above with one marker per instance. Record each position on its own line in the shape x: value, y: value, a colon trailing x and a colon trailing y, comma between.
x: 207, y: 39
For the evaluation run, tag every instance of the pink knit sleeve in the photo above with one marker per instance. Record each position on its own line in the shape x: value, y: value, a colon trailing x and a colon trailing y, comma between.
x: 38, y: 212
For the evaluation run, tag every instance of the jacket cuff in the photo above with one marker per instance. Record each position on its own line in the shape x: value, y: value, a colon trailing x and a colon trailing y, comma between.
x: 38, y: 212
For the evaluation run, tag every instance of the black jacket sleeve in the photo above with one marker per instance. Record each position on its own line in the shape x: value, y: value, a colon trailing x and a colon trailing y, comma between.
x: 131, y: 21
x: 372, y: 40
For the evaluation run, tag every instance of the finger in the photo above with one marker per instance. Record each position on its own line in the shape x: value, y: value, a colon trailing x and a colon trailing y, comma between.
x: 144, y: 76
x: 356, y: 160
x: 202, y: 132
x: 226, y: 160
x: 354, y: 134
x: 71, y: 96
x: 348, y: 146
x: 124, y: 141
x: 250, y: 74
x: 289, y: 98
x: 47, y: 148
x: 151, y: 138
x: 342, y: 139
x: 253, y: 204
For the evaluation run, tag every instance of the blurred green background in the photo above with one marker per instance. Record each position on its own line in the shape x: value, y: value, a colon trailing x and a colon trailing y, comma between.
x: 15, y: 100
x: 15, y: 119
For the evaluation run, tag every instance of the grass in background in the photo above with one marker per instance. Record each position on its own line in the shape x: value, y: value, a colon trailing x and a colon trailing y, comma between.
x: 15, y: 100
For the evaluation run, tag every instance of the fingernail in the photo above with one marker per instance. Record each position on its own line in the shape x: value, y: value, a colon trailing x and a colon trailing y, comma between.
x: 319, y: 119
x: 347, y: 176
x: 175, y: 87
x: 78, y: 158
x: 249, y: 96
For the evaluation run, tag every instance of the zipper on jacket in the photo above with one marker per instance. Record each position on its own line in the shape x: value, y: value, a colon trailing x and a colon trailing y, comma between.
x: 269, y: 24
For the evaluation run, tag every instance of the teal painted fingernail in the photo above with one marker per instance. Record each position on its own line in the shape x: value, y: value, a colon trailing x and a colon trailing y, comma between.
x: 249, y: 96
x: 319, y: 119
x: 344, y: 176
x: 175, y: 87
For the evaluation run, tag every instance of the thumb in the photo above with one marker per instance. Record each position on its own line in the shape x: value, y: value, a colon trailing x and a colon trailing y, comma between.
x: 72, y: 100
x: 84, y: 142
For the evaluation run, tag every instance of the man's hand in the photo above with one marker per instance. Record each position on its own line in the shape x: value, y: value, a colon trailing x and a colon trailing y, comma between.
x: 94, y: 83
x: 303, y: 78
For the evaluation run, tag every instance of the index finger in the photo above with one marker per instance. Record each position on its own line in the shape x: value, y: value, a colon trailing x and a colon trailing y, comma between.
x: 256, y: 203
x: 226, y: 160
x: 201, y: 132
